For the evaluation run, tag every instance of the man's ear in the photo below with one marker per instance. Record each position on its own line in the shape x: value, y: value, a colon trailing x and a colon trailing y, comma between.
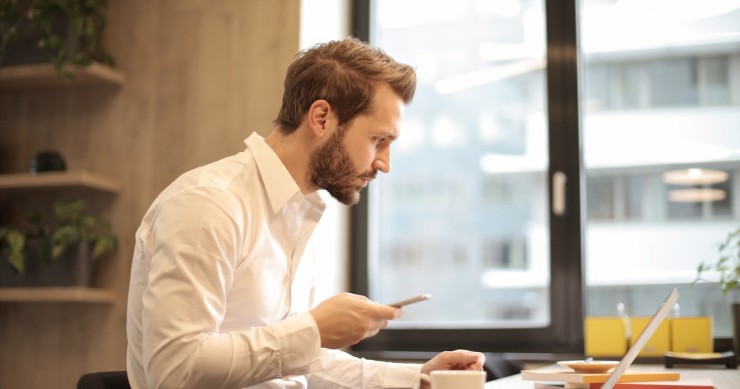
x: 317, y: 116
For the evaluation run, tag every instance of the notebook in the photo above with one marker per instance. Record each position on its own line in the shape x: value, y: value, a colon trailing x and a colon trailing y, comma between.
x: 610, y: 379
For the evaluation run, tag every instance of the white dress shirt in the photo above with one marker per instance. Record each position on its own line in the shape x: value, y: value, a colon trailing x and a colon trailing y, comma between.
x: 222, y: 278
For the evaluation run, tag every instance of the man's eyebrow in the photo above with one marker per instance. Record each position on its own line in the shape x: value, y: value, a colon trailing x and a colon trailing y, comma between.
x: 391, y: 134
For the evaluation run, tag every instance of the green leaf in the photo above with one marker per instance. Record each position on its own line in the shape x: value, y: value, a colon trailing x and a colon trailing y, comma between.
x: 67, y: 210
x: 66, y: 235
x: 700, y: 269
x: 103, y: 246
x: 87, y: 221
x: 13, y: 248
x: 57, y: 250
x: 17, y: 262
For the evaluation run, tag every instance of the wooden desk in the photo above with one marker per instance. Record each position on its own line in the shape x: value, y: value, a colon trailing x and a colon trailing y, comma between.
x: 721, y: 377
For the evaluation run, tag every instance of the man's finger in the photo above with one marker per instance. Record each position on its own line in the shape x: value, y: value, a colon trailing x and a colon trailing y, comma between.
x: 381, y: 324
x: 385, y: 312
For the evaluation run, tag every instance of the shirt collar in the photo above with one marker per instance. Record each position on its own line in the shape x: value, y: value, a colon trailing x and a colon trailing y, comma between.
x: 280, y: 187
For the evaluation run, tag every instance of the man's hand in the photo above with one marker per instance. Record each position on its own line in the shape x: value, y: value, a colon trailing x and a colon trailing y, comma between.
x: 453, y: 360
x: 345, y: 319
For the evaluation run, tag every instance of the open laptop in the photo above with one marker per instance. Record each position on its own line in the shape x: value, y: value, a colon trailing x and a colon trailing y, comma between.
x: 626, y: 360
x: 645, y: 335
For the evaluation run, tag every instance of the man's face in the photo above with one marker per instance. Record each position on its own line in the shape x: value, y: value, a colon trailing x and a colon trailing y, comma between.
x: 353, y: 154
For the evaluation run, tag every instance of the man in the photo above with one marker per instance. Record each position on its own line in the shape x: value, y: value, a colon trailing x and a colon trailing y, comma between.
x: 222, y: 281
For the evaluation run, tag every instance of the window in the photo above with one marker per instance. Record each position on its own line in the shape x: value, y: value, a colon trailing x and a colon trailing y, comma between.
x: 658, y: 105
x: 467, y: 213
x: 464, y: 215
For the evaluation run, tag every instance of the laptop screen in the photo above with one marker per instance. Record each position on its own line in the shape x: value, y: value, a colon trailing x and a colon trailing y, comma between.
x: 637, y: 346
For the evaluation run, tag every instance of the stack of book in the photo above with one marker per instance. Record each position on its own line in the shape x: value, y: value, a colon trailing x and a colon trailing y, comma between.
x: 551, y: 379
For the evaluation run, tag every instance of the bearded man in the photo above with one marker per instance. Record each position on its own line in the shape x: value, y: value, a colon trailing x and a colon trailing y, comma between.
x: 223, y: 274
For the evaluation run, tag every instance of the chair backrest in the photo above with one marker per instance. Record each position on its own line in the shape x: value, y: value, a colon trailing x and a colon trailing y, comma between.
x: 104, y: 380
x: 497, y: 366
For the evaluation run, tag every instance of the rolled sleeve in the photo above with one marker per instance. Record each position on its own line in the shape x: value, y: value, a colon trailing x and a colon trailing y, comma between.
x: 402, y: 375
x: 346, y: 371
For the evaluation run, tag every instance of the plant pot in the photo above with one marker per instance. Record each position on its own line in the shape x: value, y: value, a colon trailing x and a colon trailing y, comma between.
x: 72, y: 268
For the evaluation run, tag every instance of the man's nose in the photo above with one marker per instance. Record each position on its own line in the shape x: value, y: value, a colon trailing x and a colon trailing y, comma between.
x: 382, y: 161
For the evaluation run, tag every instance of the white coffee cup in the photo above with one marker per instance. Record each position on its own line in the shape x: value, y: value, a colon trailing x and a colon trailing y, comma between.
x: 456, y: 379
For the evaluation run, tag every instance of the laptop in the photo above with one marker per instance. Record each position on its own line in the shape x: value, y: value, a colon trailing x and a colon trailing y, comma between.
x: 645, y: 335
x: 626, y: 360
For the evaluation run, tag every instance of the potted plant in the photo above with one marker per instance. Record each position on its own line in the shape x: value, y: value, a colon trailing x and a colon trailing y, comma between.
x: 56, y: 254
x: 63, y: 32
x: 727, y: 264
x: 727, y: 267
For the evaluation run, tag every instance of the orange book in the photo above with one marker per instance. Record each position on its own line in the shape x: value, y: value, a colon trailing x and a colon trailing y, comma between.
x: 701, y: 383
x: 562, y: 375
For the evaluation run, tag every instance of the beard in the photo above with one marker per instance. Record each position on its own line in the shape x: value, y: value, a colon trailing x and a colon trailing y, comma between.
x: 331, y: 168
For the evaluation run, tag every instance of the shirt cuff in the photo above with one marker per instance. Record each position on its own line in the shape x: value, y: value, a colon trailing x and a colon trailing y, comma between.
x: 403, y: 375
x: 300, y: 345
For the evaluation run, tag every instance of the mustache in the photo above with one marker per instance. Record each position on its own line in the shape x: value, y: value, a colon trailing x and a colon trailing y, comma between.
x: 370, y: 176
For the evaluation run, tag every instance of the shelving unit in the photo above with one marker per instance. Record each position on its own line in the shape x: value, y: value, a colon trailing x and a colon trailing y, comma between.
x: 57, y: 295
x: 54, y: 325
x: 44, y: 76
x: 65, y: 179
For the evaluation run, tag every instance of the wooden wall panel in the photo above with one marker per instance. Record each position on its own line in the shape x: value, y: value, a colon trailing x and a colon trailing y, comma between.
x: 213, y: 89
x: 201, y: 76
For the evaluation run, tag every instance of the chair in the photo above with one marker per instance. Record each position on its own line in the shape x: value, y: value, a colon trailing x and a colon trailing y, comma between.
x: 104, y: 380
x: 497, y: 366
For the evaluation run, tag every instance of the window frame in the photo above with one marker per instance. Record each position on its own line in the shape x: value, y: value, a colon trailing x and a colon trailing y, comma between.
x: 565, y: 332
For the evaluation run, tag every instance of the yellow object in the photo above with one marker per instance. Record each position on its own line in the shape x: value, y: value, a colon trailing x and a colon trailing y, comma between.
x: 605, y: 336
x: 692, y: 334
x: 659, y: 343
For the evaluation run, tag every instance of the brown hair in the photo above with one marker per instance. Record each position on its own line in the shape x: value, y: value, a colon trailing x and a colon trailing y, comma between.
x: 344, y: 73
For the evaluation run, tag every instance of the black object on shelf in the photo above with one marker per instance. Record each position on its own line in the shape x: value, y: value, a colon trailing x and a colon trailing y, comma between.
x: 727, y: 358
x: 47, y: 161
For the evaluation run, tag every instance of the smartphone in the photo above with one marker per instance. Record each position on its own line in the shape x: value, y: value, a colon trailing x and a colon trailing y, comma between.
x: 415, y: 299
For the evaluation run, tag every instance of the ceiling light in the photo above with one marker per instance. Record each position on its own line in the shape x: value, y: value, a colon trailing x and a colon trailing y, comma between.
x: 696, y: 195
x: 694, y: 176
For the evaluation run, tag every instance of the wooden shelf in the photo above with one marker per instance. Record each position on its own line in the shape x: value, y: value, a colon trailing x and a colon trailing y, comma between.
x: 65, y: 179
x: 57, y: 294
x: 44, y: 76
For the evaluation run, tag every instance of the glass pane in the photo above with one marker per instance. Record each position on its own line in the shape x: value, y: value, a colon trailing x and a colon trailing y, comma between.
x: 463, y: 214
x: 659, y: 97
